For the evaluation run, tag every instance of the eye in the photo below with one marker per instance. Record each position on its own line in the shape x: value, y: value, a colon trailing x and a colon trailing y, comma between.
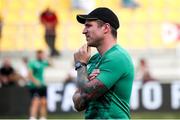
x: 88, y: 25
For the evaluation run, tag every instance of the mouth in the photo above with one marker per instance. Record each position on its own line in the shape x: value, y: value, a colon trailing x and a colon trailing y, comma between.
x: 87, y: 37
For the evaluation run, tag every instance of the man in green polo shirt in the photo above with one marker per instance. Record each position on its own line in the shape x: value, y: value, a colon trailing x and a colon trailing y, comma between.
x: 37, y: 85
x: 106, y: 94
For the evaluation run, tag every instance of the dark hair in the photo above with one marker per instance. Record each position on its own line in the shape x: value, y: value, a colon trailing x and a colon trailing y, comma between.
x: 39, y: 51
x: 113, y: 30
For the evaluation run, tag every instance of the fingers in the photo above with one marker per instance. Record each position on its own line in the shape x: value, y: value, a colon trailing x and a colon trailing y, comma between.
x: 94, y: 74
x: 83, y: 49
x: 91, y: 78
x: 86, y: 48
x: 89, y: 50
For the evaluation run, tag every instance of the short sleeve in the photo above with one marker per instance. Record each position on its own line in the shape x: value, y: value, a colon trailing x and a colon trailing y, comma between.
x: 30, y: 65
x: 111, y: 70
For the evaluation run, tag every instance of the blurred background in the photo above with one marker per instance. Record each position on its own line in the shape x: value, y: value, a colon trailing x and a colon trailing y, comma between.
x: 149, y: 30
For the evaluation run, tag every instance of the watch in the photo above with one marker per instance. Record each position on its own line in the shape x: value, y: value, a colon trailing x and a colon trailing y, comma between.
x: 79, y: 64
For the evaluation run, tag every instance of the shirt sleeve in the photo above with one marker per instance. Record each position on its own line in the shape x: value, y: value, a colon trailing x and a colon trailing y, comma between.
x: 111, y: 70
x: 30, y: 65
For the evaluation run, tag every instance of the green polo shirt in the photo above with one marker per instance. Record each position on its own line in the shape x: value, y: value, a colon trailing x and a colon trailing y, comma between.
x: 37, y: 67
x: 117, y: 74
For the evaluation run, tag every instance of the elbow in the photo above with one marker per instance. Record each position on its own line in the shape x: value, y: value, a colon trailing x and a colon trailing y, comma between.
x: 78, y: 108
x: 78, y: 104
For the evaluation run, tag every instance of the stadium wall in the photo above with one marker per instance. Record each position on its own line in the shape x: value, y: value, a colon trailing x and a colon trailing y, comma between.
x: 151, y: 96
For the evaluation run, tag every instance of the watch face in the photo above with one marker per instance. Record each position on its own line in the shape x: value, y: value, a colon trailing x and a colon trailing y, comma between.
x: 78, y: 64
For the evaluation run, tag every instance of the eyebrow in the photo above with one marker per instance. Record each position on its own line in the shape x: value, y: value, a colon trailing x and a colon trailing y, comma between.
x: 87, y: 24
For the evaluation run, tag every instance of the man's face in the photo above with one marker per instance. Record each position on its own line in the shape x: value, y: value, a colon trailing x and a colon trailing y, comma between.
x: 40, y: 56
x: 7, y: 62
x: 94, y: 33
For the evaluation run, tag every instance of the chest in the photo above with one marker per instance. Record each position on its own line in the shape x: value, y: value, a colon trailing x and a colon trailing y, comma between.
x: 94, y: 64
x: 38, y: 66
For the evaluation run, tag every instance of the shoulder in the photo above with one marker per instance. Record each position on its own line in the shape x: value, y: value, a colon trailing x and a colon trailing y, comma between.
x: 94, y: 57
x: 117, y: 53
x: 117, y: 57
x: 32, y: 63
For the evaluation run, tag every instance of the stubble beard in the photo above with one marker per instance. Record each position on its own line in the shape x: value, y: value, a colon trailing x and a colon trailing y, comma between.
x: 93, y: 42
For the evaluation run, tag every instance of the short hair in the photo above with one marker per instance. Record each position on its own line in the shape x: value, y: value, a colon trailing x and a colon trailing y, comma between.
x: 39, y: 51
x: 113, y: 30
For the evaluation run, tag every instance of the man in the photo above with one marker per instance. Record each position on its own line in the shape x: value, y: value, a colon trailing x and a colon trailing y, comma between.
x: 50, y: 21
x: 37, y: 85
x: 106, y: 94
x: 8, y: 75
x: 142, y: 72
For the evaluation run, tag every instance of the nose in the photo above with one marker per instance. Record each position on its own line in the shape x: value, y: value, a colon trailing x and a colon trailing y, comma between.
x: 84, y: 31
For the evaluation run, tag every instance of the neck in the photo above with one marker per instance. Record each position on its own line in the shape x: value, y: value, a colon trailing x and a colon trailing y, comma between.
x: 106, y: 45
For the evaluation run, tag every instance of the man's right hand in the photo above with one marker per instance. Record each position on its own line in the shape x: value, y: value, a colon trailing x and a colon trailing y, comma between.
x: 83, y: 54
x: 94, y: 74
x: 37, y: 83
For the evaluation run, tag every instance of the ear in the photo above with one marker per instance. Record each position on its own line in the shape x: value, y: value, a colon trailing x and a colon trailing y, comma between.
x: 106, y: 27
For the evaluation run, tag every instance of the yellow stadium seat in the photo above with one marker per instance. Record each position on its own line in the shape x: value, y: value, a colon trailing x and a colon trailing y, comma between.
x: 140, y: 15
x: 139, y: 27
x: 156, y: 3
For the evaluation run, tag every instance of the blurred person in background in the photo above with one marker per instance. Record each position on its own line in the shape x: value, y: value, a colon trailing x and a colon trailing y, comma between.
x: 23, y: 71
x: 107, y: 95
x: 8, y: 75
x: 142, y: 72
x: 86, y: 5
x: 24, y: 68
x: 129, y: 4
x: 49, y: 20
x: 37, y: 86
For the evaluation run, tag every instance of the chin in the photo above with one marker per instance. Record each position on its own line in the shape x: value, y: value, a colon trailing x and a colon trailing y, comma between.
x: 90, y: 45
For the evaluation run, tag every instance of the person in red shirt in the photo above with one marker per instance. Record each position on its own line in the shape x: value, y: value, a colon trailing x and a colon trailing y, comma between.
x: 49, y: 20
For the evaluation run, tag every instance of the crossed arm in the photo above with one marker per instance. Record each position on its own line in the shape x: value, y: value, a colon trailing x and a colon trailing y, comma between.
x: 87, y: 89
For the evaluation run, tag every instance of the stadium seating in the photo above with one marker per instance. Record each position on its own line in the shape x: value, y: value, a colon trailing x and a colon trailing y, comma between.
x: 140, y: 30
x: 136, y: 25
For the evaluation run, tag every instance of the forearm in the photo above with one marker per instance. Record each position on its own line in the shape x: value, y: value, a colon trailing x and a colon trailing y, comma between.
x: 78, y: 97
x: 33, y: 79
x: 89, y: 90
x: 82, y: 77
